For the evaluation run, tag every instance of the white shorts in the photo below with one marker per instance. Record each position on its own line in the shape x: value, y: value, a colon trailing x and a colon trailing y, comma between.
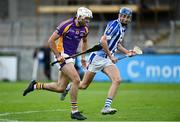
x: 60, y: 65
x: 98, y: 63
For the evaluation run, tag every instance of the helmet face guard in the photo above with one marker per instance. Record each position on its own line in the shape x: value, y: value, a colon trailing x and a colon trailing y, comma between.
x: 125, y: 15
x: 83, y: 15
x: 84, y: 12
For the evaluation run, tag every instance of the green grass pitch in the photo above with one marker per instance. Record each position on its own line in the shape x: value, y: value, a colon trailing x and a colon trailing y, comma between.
x: 139, y: 102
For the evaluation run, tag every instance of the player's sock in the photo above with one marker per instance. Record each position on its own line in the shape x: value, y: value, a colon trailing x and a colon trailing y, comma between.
x: 108, y: 102
x: 68, y: 87
x: 39, y: 86
x: 74, y: 107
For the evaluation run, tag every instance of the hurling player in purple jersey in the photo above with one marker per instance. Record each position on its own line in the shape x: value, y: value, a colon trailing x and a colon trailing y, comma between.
x: 104, y: 59
x: 69, y: 34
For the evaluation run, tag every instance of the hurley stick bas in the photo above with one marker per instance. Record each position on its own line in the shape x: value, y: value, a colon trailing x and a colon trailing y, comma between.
x: 94, y: 48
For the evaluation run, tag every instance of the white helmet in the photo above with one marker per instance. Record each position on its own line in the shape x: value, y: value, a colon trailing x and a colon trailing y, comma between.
x: 84, y: 12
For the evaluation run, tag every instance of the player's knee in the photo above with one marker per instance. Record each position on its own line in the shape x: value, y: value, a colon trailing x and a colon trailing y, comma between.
x: 117, y: 81
x: 76, y: 81
x: 83, y: 87
x: 60, y: 90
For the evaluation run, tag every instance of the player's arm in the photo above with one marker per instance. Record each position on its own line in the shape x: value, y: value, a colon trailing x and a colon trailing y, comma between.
x: 53, y: 47
x: 121, y: 48
x: 84, y: 46
x: 105, y: 46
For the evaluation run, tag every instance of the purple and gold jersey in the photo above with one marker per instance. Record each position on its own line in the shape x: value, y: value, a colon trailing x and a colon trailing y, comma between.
x: 70, y: 36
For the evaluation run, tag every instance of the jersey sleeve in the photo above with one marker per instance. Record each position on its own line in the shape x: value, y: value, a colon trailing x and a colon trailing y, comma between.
x: 111, y: 29
x: 61, y: 27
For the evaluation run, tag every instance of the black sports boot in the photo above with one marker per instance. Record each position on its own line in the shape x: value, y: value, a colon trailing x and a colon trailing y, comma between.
x: 78, y: 116
x: 30, y: 88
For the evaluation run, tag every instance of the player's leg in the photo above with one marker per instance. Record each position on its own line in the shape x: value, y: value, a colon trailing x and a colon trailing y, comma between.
x: 66, y: 91
x: 113, y: 73
x: 54, y: 86
x: 87, y: 79
x: 72, y: 73
x: 95, y: 64
x: 57, y: 86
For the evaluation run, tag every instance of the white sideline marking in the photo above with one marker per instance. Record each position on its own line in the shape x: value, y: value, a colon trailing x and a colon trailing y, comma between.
x: 27, y: 112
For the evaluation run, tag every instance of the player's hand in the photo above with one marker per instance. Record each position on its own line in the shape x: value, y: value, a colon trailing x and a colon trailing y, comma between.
x: 83, y: 62
x: 61, y: 59
x: 131, y: 53
x: 113, y: 59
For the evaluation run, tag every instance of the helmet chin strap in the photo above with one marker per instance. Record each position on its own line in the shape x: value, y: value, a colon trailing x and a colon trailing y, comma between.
x: 123, y: 24
x: 79, y: 23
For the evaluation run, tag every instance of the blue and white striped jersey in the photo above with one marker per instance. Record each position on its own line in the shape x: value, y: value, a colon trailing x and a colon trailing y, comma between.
x: 115, y: 34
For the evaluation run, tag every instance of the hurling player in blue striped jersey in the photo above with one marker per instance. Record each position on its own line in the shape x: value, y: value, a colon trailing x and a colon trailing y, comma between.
x: 104, y: 60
